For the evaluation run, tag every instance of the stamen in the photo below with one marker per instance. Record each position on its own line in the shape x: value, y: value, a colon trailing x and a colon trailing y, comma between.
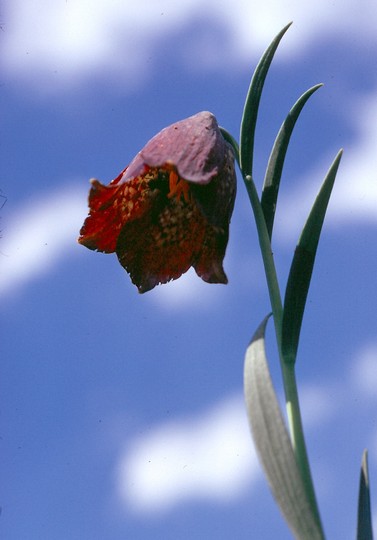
x: 178, y: 187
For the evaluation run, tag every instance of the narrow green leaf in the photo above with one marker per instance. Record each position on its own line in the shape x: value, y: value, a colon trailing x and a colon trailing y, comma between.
x: 364, y: 518
x: 302, y: 267
x: 250, y: 112
x: 276, y: 161
x: 233, y: 143
x: 273, y: 444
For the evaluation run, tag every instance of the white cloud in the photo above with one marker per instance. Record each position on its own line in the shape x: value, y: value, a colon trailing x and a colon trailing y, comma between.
x: 38, y: 234
x: 319, y: 404
x: 356, y: 193
x: 209, y: 457
x: 189, y: 289
x: 363, y: 377
x: 364, y: 370
x: 354, y: 197
x: 76, y: 39
x: 43, y: 229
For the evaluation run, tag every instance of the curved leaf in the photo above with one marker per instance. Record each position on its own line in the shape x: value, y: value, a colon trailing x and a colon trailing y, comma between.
x: 233, y: 143
x: 364, y: 518
x: 250, y: 112
x: 273, y: 444
x: 302, y: 266
x: 276, y: 161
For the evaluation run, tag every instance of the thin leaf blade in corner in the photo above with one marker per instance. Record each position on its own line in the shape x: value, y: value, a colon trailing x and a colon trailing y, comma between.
x: 302, y: 266
x: 273, y: 443
x: 276, y: 160
x: 250, y: 112
x: 364, y: 518
x: 233, y: 143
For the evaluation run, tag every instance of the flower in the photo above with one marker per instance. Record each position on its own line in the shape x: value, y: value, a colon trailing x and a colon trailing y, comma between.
x: 170, y: 208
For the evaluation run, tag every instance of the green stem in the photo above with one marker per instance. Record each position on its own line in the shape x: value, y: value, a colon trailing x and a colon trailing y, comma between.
x: 288, y: 369
x: 268, y: 261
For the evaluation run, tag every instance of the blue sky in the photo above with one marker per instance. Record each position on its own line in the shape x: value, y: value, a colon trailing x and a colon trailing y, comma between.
x: 122, y: 414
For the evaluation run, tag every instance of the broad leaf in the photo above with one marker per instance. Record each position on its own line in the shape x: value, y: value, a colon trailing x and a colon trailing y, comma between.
x: 273, y: 443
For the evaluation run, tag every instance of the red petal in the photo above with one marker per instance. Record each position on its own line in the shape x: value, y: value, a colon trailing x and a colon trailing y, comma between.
x: 110, y: 208
x: 158, y: 248
x: 209, y: 265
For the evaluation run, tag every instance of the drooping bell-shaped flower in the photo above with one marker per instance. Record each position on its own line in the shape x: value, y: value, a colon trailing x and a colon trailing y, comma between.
x: 170, y: 208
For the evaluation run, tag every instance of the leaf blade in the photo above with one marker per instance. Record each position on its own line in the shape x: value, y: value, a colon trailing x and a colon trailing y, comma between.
x: 364, y: 518
x: 250, y: 112
x: 233, y: 143
x: 273, y: 443
x: 276, y: 160
x: 302, y: 267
